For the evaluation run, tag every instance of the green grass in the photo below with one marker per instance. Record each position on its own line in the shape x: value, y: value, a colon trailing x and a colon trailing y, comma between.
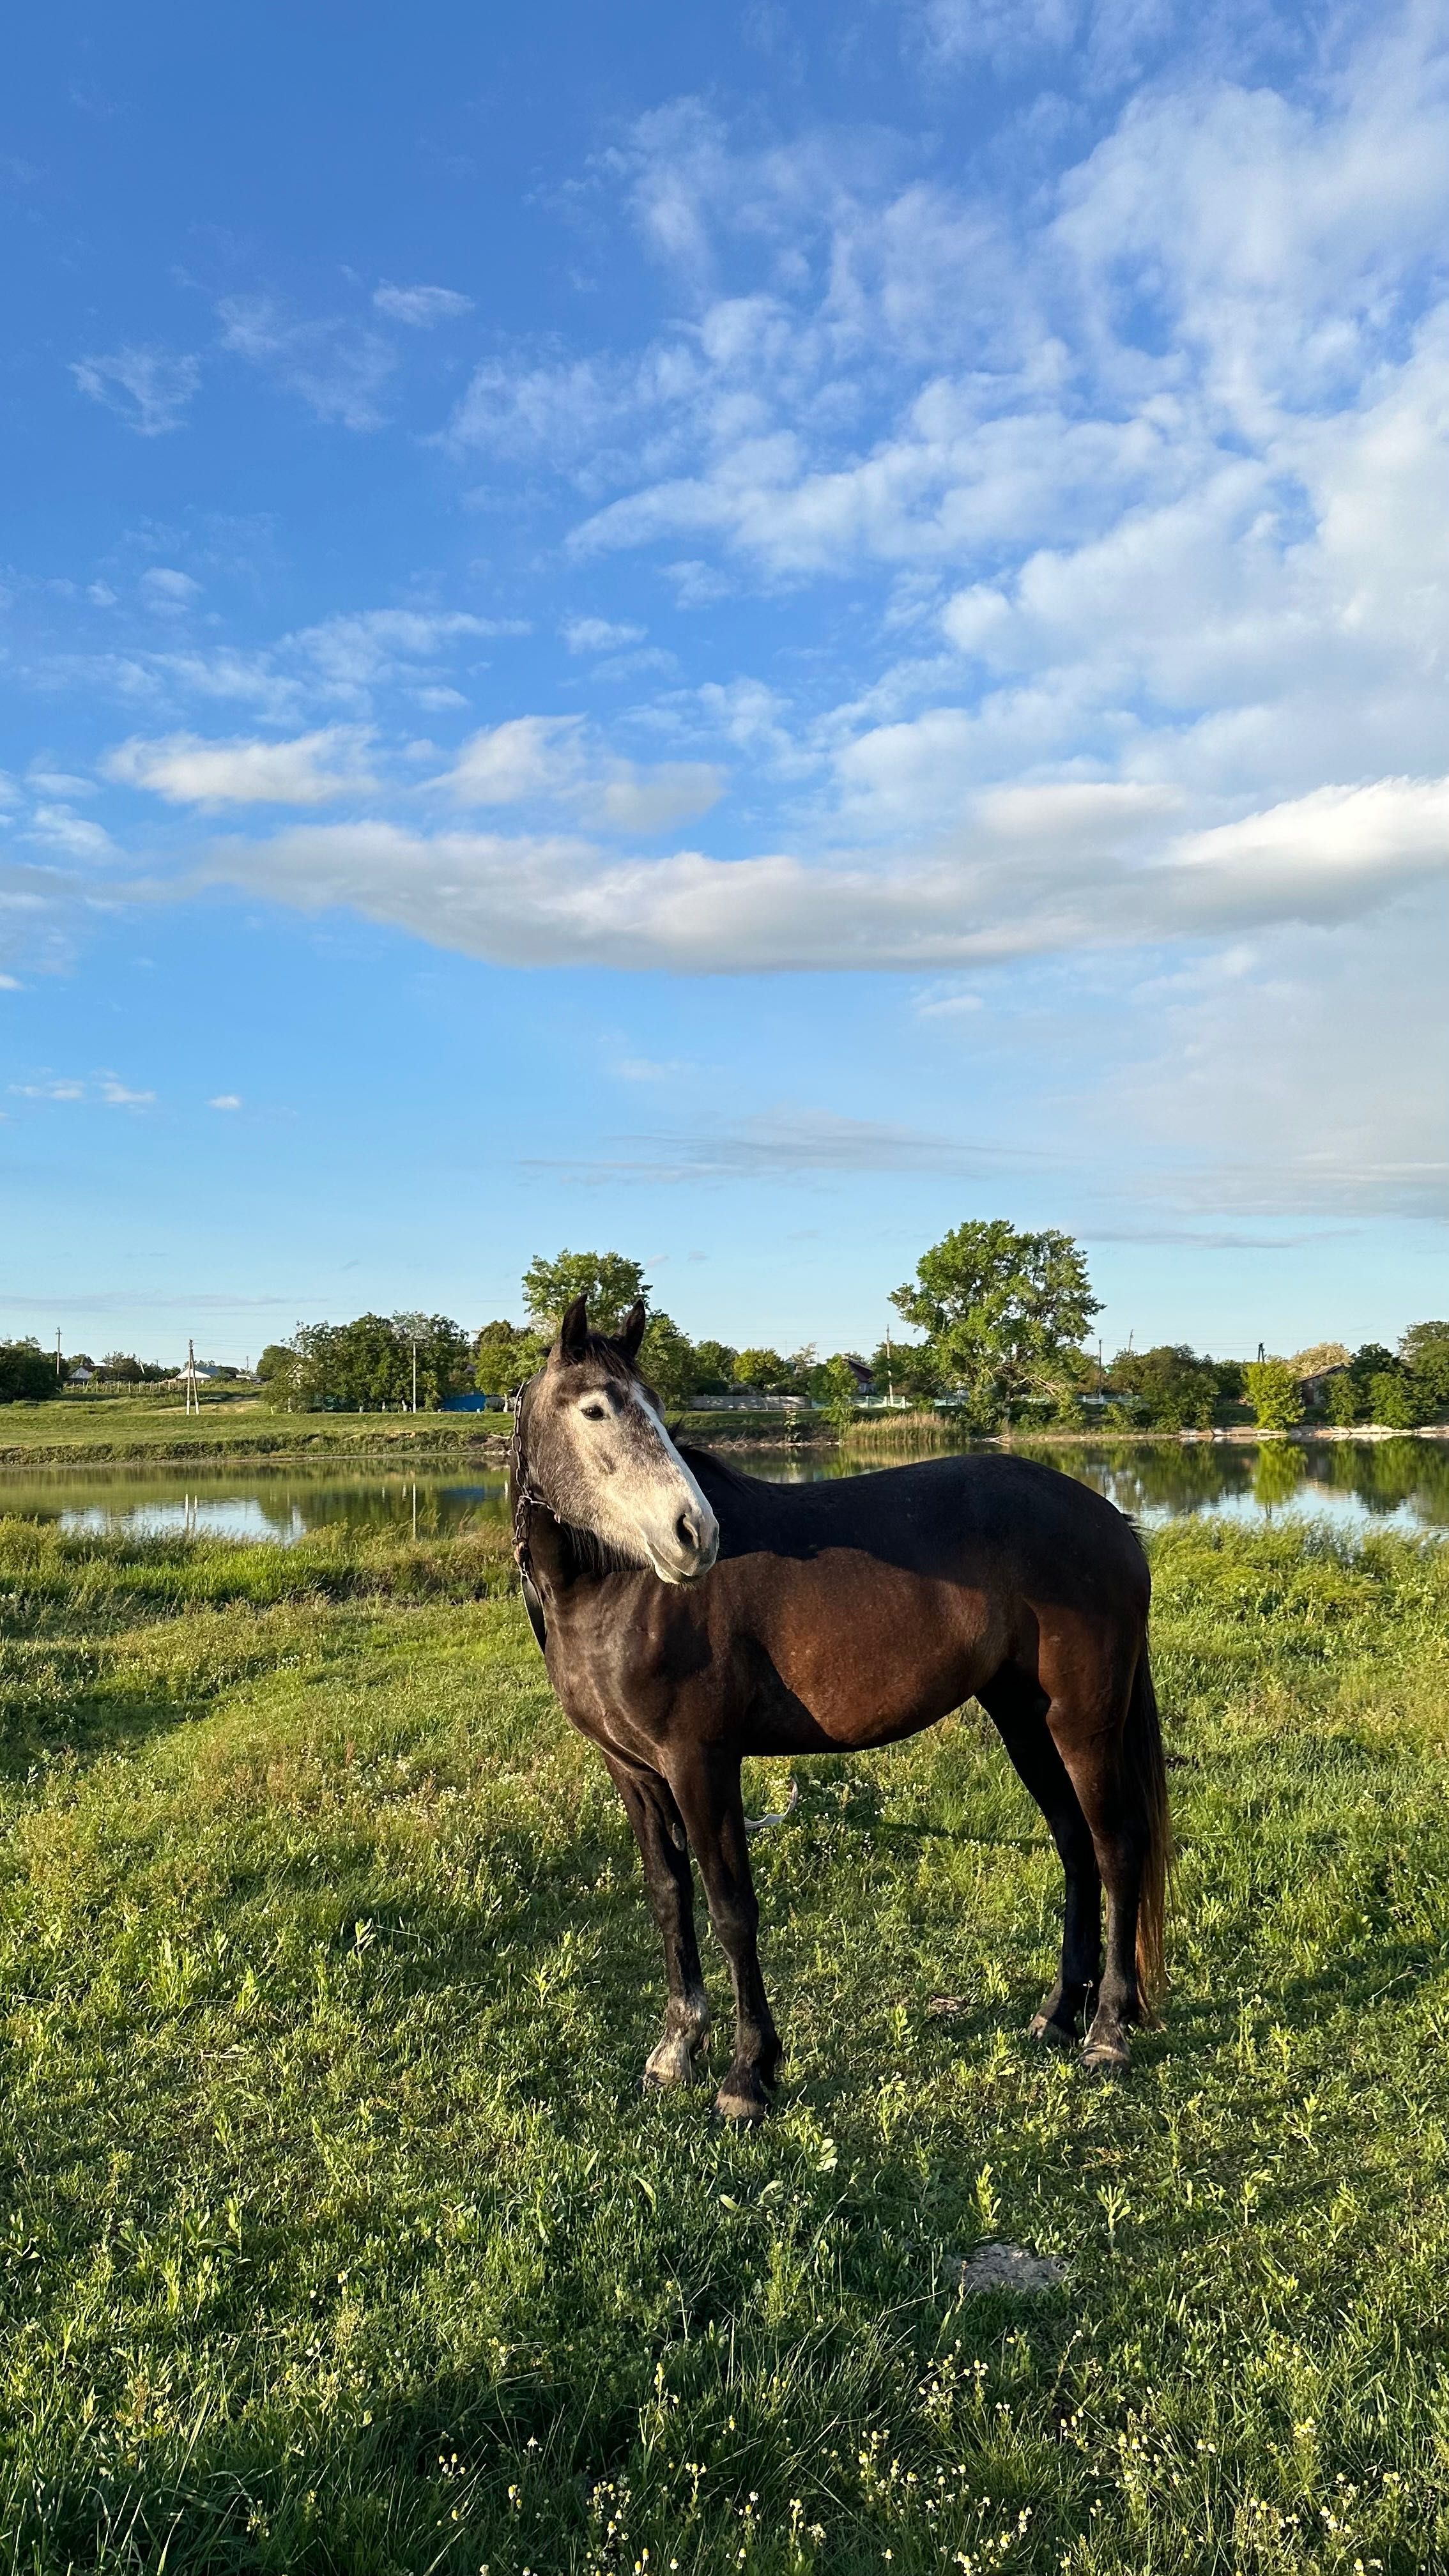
x: 335, y: 2235
x: 84, y: 1432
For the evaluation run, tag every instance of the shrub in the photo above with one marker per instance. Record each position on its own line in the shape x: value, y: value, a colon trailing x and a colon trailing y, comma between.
x: 1273, y: 1393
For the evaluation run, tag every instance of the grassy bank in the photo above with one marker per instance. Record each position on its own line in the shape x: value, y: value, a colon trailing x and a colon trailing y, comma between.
x: 77, y: 1435
x: 337, y: 2237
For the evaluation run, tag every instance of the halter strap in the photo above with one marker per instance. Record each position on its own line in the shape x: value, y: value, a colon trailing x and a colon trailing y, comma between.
x: 524, y: 1498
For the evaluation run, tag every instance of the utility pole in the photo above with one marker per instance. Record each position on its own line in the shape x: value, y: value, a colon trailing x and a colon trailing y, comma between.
x: 415, y: 1407
x: 193, y: 1392
x: 890, y: 1380
x: 57, y: 1355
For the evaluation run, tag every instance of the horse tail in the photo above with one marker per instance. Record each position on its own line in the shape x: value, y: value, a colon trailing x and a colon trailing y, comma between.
x: 1145, y: 1772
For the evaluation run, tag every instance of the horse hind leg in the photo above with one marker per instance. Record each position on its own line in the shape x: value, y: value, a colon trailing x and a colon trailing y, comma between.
x: 1017, y: 1705
x: 1117, y: 1772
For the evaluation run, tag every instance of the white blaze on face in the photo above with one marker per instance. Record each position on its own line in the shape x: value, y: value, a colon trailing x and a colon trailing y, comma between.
x: 640, y: 1496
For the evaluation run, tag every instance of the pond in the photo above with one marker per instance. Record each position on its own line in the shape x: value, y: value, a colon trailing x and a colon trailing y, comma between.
x: 1401, y: 1484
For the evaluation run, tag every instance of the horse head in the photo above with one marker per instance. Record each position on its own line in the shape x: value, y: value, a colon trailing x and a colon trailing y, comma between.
x: 591, y: 1447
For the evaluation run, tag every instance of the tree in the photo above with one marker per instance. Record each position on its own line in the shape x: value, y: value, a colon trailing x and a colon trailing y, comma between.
x: 610, y: 1282
x: 27, y: 1373
x: 1001, y: 1310
x: 908, y: 1369
x: 368, y: 1364
x: 840, y: 1395
x: 714, y: 1367
x: 1394, y: 1400
x: 504, y: 1355
x: 121, y: 1368
x: 762, y: 1369
x: 1424, y: 1351
x: 275, y: 1362
x: 1343, y: 1398
x: 1173, y: 1390
x: 1272, y: 1391
x: 666, y: 1361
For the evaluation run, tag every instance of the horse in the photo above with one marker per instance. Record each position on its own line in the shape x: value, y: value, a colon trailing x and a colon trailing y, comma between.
x: 690, y: 1615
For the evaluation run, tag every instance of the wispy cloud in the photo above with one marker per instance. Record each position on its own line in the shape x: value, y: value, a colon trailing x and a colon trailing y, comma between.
x: 105, y: 1089
x: 311, y: 769
x: 151, y: 390
x: 421, y: 307
x: 598, y: 635
x: 338, y: 367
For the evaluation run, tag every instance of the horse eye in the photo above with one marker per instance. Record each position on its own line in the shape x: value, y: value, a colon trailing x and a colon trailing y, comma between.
x: 594, y: 1412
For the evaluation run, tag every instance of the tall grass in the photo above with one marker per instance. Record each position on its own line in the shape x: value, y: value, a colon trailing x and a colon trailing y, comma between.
x: 904, y: 1431
x: 336, y: 2236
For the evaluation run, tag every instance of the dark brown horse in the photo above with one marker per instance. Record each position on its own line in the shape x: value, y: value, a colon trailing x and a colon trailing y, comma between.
x: 690, y: 1615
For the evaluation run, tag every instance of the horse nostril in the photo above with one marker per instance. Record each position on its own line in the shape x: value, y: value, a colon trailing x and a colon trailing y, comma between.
x: 686, y: 1530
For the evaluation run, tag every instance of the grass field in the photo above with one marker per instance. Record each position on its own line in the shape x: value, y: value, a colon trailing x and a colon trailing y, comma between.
x: 80, y: 1434
x: 337, y: 2237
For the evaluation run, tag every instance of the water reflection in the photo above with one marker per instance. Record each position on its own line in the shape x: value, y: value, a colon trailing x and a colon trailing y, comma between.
x: 1352, y: 1483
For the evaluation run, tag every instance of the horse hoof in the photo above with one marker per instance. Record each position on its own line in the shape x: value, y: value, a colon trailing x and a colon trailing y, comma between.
x: 669, y: 2065
x: 741, y: 2100
x: 1046, y: 2028
x: 1106, y: 2057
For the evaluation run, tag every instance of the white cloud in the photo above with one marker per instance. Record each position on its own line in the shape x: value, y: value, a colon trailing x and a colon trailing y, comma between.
x: 598, y: 635
x: 529, y: 756
x: 338, y: 368
x: 550, y: 760
x: 225, y: 1100
x: 420, y: 307
x: 1010, y: 887
x: 653, y: 800
x: 168, y: 592
x: 57, y: 828
x: 107, y: 1089
x: 149, y: 389
x: 186, y: 770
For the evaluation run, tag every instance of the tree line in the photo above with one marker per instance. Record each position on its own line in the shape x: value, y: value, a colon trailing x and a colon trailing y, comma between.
x: 997, y: 1323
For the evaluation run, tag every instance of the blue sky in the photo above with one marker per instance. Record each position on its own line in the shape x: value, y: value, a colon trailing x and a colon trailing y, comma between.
x: 733, y: 634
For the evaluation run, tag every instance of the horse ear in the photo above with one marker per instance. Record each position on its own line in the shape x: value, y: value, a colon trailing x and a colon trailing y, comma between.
x: 633, y: 1333
x: 573, y: 1332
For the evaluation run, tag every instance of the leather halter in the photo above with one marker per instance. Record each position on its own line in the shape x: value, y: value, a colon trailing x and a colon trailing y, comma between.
x: 524, y: 1499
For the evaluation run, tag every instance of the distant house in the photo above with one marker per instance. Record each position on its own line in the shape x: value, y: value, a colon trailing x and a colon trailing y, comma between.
x: 863, y: 1375
x: 80, y: 1377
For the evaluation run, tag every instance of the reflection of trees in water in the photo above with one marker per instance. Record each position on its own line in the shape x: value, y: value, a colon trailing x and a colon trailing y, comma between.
x: 1194, y: 1477
x: 1390, y: 1475
x: 1144, y: 1478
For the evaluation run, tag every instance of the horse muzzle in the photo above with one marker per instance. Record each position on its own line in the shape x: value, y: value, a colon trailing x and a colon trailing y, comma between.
x: 691, y: 1549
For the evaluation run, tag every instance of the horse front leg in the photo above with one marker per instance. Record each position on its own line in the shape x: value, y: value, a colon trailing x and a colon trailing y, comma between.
x: 659, y: 1833
x: 707, y: 1787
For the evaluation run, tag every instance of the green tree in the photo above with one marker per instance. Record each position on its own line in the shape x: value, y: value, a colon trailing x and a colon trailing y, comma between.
x: 909, y: 1369
x: 1172, y: 1389
x: 1395, y: 1400
x: 839, y: 1394
x: 367, y: 1365
x: 715, y: 1367
x: 504, y: 1355
x: 1343, y: 1398
x: 1001, y: 1310
x: 762, y: 1369
x: 666, y: 1361
x: 27, y: 1373
x: 1273, y: 1393
x: 610, y: 1282
x: 1424, y: 1351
